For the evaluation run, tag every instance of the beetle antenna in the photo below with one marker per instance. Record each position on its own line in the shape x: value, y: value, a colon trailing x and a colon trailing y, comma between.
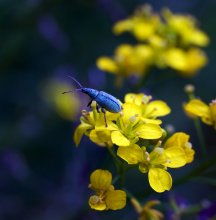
x: 73, y: 90
x: 75, y: 81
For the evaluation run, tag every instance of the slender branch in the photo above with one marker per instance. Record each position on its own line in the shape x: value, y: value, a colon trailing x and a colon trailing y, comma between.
x: 200, y: 136
x: 197, y: 171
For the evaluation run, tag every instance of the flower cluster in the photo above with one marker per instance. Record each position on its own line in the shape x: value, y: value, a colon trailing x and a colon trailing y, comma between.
x: 137, y: 133
x: 137, y: 121
x: 165, y: 40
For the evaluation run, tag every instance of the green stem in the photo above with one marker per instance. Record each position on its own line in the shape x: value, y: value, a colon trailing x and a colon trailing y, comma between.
x: 174, y: 205
x: 115, y: 159
x: 122, y: 175
x: 200, y: 136
x: 129, y: 195
x: 193, y: 209
x: 207, y: 180
x: 120, y: 167
x: 197, y: 171
x: 115, y: 179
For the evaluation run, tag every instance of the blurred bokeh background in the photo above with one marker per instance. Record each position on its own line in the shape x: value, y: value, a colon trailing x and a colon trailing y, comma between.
x: 42, y: 175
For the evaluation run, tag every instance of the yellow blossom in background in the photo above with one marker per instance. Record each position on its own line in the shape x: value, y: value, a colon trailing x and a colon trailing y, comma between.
x: 105, y: 197
x: 179, y: 29
x: 175, y: 153
x: 67, y: 106
x: 143, y: 24
x: 147, y: 212
x: 197, y: 108
x: 187, y: 63
x: 165, y: 40
x: 127, y: 60
x: 185, y: 26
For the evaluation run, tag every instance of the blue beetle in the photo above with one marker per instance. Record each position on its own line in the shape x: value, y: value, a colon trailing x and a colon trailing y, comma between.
x: 103, y: 99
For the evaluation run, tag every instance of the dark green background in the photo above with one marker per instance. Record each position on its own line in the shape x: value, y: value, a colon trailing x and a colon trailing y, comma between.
x: 42, y: 175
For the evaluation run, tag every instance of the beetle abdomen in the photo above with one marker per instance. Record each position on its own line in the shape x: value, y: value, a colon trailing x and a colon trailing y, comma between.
x: 108, y: 102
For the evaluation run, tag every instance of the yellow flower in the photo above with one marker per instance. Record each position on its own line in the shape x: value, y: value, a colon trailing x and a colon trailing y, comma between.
x: 175, y: 153
x: 181, y: 140
x: 128, y: 60
x: 150, y: 110
x: 129, y: 128
x: 106, y: 197
x: 186, y: 27
x: 143, y: 24
x: 186, y: 62
x: 207, y: 113
x: 93, y: 125
x: 151, y: 163
x: 147, y: 212
x: 168, y: 40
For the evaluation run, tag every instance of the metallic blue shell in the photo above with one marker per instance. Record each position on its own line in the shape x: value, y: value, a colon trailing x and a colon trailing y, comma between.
x: 108, y: 102
x: 103, y: 99
x: 90, y: 92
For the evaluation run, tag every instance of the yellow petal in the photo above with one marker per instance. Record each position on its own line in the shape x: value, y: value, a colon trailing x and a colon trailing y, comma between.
x: 143, y: 31
x: 157, y: 156
x: 159, y: 179
x: 198, y: 108
x: 132, y: 154
x: 102, y: 127
x: 124, y: 50
x: 178, y: 139
x: 100, y: 137
x: 80, y: 130
x: 137, y: 99
x: 189, y: 152
x: 101, y: 179
x: 115, y: 199
x: 199, y: 38
x: 130, y: 111
x: 212, y: 107
x: 156, y: 109
x: 119, y: 139
x: 134, y: 98
x: 175, y: 157
x: 176, y: 58
x: 196, y: 59
x: 107, y: 64
x: 96, y: 203
x: 151, y: 121
x: 122, y: 26
x: 149, y: 131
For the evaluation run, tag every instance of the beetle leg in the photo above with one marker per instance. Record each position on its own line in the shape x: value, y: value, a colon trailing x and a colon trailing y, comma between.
x: 89, y: 103
x: 98, y: 108
x: 103, y: 110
